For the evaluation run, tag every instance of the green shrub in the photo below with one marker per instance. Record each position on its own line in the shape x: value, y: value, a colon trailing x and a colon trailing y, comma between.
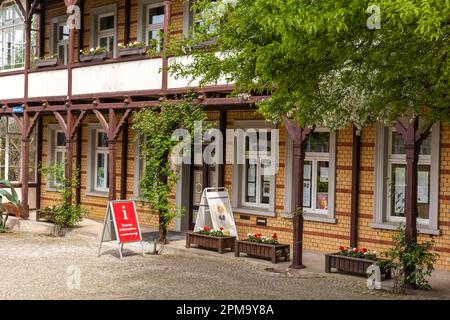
x: 410, y: 263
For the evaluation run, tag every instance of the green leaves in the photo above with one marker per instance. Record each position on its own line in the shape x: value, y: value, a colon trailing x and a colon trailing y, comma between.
x: 322, y: 65
x: 156, y: 126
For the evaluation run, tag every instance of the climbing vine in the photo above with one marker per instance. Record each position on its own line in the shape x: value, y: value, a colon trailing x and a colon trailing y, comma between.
x: 156, y: 126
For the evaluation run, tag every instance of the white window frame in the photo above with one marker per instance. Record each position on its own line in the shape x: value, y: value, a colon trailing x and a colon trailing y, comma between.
x: 401, y: 159
x: 239, y: 170
x: 153, y: 27
x: 11, y: 29
x: 104, y: 152
x: 327, y: 216
x: 383, y: 161
x: 91, y: 174
x: 55, y: 42
x: 54, y: 149
x: 96, y: 34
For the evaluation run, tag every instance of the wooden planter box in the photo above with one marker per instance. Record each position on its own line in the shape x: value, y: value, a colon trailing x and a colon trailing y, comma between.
x: 97, y: 57
x: 209, y: 242
x: 123, y: 52
x: 263, y: 250
x: 47, y: 63
x: 350, y: 265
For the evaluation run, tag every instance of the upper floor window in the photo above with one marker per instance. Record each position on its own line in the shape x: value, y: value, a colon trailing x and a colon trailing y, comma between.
x: 60, y: 38
x: 106, y: 31
x: 104, y: 28
x: 12, y: 36
x: 155, y: 24
x: 195, y: 18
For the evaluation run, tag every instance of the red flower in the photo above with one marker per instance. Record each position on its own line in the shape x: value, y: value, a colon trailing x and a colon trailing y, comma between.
x: 274, y: 236
x: 206, y: 228
x: 342, y: 248
x: 355, y: 250
x: 221, y: 228
x: 258, y: 235
x: 363, y: 250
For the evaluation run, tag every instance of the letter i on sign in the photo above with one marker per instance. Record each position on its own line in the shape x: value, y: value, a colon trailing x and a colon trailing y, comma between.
x: 125, y: 217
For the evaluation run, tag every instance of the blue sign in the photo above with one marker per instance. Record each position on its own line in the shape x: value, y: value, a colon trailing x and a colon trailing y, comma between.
x: 18, y: 109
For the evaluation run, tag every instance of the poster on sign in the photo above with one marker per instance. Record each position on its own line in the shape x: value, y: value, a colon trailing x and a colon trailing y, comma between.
x: 121, y: 225
x: 215, y: 211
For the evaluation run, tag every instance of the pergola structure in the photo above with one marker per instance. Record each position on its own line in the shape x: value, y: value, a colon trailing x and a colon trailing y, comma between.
x: 111, y: 109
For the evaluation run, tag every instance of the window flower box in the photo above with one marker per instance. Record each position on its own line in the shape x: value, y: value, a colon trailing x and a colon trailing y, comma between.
x: 210, y: 242
x: 124, y: 52
x: 94, y: 57
x: 351, y: 265
x: 42, y: 63
x: 274, y: 252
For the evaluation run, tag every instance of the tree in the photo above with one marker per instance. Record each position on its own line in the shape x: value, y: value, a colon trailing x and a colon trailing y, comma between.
x: 327, y: 63
x: 156, y: 126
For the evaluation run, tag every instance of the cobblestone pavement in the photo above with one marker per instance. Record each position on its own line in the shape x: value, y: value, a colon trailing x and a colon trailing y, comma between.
x: 40, y: 267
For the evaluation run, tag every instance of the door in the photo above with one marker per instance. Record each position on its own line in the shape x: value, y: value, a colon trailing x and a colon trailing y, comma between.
x: 202, y: 176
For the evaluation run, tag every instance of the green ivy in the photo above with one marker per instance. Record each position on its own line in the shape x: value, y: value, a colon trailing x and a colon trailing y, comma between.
x: 156, y: 126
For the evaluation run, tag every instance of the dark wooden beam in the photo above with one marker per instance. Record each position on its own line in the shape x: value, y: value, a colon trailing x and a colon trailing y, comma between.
x: 356, y: 155
x: 124, y: 162
x: 81, y: 31
x: 223, y: 128
x: 39, y: 160
x: 299, y: 136
x: 42, y: 30
x: 126, y: 36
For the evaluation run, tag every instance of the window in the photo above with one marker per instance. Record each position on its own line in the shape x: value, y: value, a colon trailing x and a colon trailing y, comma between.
x: 101, y: 181
x: 155, y: 24
x: 57, y: 151
x: 316, y: 172
x: 397, y: 177
x: 319, y: 176
x: 10, y: 152
x: 12, y: 36
x: 61, y: 38
x: 390, y: 175
x: 106, y: 32
x: 257, y: 185
x: 104, y: 28
x: 254, y: 172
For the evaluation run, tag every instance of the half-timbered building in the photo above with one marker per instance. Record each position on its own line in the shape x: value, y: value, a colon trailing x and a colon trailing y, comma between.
x: 80, y: 111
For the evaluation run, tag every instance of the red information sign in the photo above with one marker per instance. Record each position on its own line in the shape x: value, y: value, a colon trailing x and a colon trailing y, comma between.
x: 127, y: 224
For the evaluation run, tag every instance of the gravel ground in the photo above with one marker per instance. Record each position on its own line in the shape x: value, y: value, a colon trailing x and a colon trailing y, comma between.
x: 43, y: 267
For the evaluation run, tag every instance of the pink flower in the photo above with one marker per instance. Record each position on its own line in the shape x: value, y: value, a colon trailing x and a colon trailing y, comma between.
x: 355, y: 250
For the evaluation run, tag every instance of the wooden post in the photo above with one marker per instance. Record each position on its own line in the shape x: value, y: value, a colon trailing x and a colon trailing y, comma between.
x: 25, y: 151
x: 126, y: 37
x: 408, y: 135
x: 124, y: 163
x: 80, y: 31
x: 298, y: 135
x: 39, y: 160
x: 223, y: 129
x: 69, y: 127
x: 356, y: 155
x: 112, y: 129
x: 165, y: 61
